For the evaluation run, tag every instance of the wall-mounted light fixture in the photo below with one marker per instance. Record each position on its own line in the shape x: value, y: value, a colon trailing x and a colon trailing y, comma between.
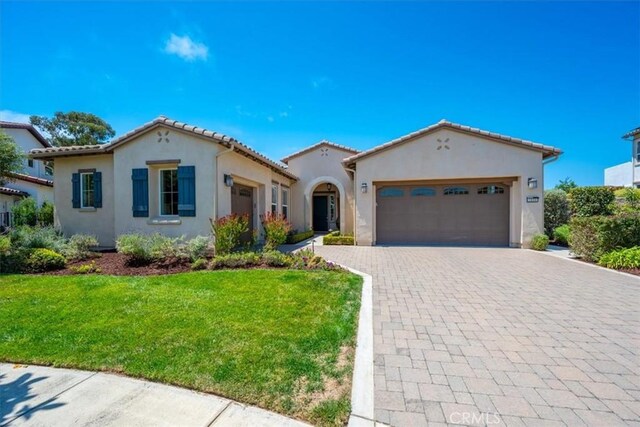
x: 363, y: 187
x: 329, y: 187
x: 228, y: 180
x: 532, y: 183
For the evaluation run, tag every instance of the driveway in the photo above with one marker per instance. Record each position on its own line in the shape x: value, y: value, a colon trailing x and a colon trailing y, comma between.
x: 488, y: 336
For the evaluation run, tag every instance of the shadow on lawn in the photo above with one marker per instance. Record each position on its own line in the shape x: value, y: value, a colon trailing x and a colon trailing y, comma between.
x: 14, y: 397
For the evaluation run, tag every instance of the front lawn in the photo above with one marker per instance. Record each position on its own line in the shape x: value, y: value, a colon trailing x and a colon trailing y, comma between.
x: 279, y: 339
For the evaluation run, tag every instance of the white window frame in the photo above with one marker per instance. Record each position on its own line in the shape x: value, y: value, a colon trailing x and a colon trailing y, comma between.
x: 275, y: 189
x: 160, y: 191
x: 82, y: 192
x: 637, y: 153
x: 284, y: 190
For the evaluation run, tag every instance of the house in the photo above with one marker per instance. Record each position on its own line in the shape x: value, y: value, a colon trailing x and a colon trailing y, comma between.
x: 36, y: 178
x: 444, y: 184
x: 626, y: 174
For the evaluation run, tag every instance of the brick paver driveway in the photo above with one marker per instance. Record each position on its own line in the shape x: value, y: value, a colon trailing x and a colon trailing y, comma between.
x: 506, y: 334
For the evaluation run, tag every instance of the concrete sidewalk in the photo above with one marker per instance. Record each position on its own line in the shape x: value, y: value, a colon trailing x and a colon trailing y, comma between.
x: 39, y: 396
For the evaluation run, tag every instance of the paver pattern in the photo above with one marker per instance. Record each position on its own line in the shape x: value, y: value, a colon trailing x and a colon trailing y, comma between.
x: 486, y: 336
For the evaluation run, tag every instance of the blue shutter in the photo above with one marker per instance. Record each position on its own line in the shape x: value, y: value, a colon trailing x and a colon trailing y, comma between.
x: 140, y: 181
x: 97, y: 188
x: 187, y: 190
x: 75, y: 194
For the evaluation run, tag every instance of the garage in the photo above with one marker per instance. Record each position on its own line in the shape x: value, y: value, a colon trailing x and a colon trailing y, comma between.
x: 453, y: 213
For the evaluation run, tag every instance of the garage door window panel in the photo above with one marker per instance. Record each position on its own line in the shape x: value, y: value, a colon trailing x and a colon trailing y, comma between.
x: 456, y: 191
x: 391, y: 192
x: 491, y: 189
x: 423, y: 192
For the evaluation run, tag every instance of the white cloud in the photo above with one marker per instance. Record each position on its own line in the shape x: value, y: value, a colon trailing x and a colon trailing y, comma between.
x: 284, y: 114
x: 12, y: 116
x: 186, y: 48
x: 270, y: 119
x: 321, y: 81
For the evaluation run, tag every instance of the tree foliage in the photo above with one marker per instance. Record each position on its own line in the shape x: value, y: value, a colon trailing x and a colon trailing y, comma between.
x: 591, y: 201
x: 11, y: 157
x: 74, y: 128
x: 566, y: 185
x: 556, y: 210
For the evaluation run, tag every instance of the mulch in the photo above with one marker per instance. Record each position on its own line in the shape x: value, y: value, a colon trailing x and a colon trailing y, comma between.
x: 113, y: 263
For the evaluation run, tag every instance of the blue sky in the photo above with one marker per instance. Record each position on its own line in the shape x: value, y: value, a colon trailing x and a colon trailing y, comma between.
x: 280, y: 76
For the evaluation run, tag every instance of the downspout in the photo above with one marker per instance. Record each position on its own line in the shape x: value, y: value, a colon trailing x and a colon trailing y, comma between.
x: 355, y: 188
x: 215, y: 181
x: 551, y: 159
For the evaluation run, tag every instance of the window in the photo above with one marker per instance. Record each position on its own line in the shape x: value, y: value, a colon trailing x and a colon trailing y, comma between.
x: 168, y: 192
x: 30, y: 163
x: 332, y: 207
x: 48, y: 169
x: 637, y: 151
x: 454, y: 191
x: 285, y: 202
x: 491, y: 189
x: 87, y: 190
x: 423, y: 192
x: 391, y: 192
x: 274, y: 198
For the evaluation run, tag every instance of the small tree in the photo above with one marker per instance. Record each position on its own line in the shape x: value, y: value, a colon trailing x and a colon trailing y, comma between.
x: 566, y: 185
x: 11, y: 158
x: 25, y: 212
x: 556, y: 210
x: 74, y: 128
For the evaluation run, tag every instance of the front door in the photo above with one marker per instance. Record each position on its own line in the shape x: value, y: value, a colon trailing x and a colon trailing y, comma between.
x: 320, y: 213
x: 242, y: 204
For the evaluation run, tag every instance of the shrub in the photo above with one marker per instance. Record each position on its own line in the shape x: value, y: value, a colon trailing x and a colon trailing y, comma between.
x: 5, y: 244
x: 42, y: 259
x: 539, y: 242
x: 90, y: 268
x: 199, y: 264
x: 338, y: 239
x: 562, y: 234
x: 45, y: 214
x: 236, y: 260
x: 591, y: 201
x: 276, y: 259
x: 276, y: 229
x: 592, y: 237
x: 25, y: 212
x: 79, y: 246
x: 26, y: 237
x: 628, y: 200
x: 141, y: 249
x: 621, y: 259
x: 198, y: 247
x: 227, y: 232
x: 299, y: 237
x: 556, y: 210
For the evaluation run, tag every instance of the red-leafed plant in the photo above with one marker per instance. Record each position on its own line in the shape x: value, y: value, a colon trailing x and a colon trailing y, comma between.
x: 276, y: 229
x: 227, y: 231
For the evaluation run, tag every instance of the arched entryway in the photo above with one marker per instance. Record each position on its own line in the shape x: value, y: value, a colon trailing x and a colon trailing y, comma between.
x: 325, y: 200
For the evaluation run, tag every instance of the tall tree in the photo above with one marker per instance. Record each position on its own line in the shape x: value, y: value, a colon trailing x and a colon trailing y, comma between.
x: 74, y: 128
x: 566, y: 185
x: 11, y: 157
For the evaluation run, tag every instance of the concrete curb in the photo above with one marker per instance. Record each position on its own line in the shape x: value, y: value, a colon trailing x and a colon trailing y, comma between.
x: 362, y: 412
x: 587, y: 264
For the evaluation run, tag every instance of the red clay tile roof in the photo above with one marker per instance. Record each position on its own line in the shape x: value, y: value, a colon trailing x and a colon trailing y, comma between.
x: 13, y: 192
x: 632, y: 133
x: 547, y: 150
x: 37, y: 135
x: 319, y: 144
x: 32, y: 179
x: 225, y: 140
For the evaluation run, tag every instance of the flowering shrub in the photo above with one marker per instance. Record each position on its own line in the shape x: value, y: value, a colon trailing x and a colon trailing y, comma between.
x: 227, y: 232
x: 141, y: 249
x: 276, y: 229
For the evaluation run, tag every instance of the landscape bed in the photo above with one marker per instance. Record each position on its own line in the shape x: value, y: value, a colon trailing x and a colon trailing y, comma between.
x: 280, y: 339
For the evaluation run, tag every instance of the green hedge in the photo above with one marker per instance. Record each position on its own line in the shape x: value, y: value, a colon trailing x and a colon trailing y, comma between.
x: 592, y: 237
x: 332, y: 239
x: 591, y: 201
x: 622, y: 259
x: 299, y: 237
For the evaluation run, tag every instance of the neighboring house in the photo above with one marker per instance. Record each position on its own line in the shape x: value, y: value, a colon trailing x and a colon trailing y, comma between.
x: 626, y: 174
x: 445, y: 184
x: 35, y: 179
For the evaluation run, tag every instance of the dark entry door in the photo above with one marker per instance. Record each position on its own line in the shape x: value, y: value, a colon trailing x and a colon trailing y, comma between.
x: 320, y: 213
x: 242, y: 204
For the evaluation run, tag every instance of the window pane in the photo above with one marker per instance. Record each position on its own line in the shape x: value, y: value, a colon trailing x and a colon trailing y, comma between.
x: 391, y: 192
x: 450, y: 191
x: 285, y: 197
x: 285, y: 211
x: 169, y: 192
x: 86, y: 190
x: 423, y: 191
x: 491, y: 189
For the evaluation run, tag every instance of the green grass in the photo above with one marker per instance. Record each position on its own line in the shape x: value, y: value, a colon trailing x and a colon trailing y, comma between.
x: 273, y: 338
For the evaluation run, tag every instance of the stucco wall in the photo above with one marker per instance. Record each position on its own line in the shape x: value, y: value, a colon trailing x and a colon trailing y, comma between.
x: 40, y: 193
x: 27, y: 142
x: 620, y: 175
x: 466, y: 157
x: 316, y: 167
x: 247, y: 172
x: 98, y: 222
x: 191, y: 151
